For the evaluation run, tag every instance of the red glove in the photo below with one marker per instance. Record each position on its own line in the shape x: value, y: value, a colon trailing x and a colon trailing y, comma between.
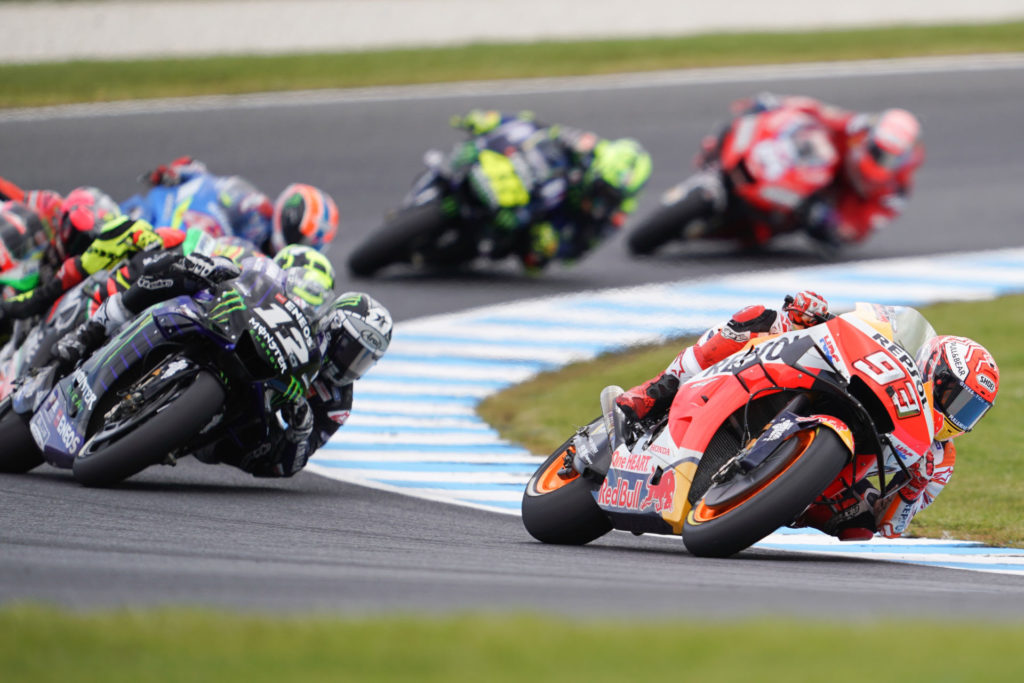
x: 168, y: 174
x: 919, y: 478
x: 807, y: 308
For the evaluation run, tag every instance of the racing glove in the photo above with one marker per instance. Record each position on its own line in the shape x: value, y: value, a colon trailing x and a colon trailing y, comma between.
x: 172, y: 174
x: 206, y: 270
x: 297, y: 420
x: 75, y: 346
x: 806, y: 309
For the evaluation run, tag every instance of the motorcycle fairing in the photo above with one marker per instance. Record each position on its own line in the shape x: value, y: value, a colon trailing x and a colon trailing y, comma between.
x: 281, y: 339
x: 778, y: 158
x: 647, y: 489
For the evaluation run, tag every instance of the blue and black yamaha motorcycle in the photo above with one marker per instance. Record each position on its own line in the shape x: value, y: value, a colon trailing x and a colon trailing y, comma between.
x: 184, y: 376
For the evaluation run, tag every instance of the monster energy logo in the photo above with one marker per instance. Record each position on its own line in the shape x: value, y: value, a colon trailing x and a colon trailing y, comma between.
x: 350, y: 300
x: 230, y: 302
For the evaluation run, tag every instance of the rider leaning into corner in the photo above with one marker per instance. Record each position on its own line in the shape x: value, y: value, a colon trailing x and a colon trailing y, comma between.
x: 354, y: 331
x: 185, y: 194
x: 879, y: 153
x: 964, y: 380
x: 585, y: 185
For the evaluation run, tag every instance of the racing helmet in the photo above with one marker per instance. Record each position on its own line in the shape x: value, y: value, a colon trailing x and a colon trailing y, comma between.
x: 47, y: 203
x: 618, y: 171
x: 964, y: 382
x: 309, y: 275
x: 305, y: 215
x: 84, y: 210
x: 359, y: 329
x: 249, y: 211
x: 22, y: 235
x: 888, y: 147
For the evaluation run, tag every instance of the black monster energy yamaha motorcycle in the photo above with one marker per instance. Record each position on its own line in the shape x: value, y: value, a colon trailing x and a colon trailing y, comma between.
x: 182, y: 376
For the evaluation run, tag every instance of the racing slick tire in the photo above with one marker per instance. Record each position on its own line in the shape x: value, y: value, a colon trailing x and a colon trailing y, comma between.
x: 18, y: 450
x: 740, y: 511
x: 562, y: 510
x: 666, y: 224
x: 164, y: 425
x: 395, y: 241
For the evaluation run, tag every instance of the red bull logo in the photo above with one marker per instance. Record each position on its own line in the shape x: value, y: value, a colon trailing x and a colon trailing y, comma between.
x: 620, y: 494
x: 662, y: 494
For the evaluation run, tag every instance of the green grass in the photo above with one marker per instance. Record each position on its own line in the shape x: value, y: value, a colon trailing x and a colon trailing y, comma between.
x: 178, y: 645
x: 44, y: 84
x: 983, y: 502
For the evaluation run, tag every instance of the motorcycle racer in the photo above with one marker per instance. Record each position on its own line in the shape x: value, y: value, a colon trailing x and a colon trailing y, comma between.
x: 354, y: 331
x: 185, y: 194
x: 23, y: 241
x: 583, y: 185
x: 961, y: 375
x: 878, y: 155
x: 116, y: 240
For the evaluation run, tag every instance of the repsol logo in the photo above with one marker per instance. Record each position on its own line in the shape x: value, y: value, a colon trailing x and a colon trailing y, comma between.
x: 905, y: 359
x: 767, y: 352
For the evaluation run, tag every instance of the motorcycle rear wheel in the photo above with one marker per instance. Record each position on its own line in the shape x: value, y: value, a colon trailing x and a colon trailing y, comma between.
x: 740, y: 511
x: 562, y: 511
x: 18, y: 450
x: 394, y: 241
x: 183, y: 411
x: 666, y: 224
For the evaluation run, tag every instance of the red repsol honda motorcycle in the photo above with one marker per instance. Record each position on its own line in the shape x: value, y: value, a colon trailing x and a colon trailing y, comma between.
x: 748, y: 445
x: 753, y: 186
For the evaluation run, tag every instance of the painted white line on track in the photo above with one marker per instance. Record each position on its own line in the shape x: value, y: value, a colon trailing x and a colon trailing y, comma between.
x: 415, y: 430
x: 526, y: 86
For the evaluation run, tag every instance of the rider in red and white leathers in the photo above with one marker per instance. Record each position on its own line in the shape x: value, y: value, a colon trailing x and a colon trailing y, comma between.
x: 964, y: 380
x: 879, y: 153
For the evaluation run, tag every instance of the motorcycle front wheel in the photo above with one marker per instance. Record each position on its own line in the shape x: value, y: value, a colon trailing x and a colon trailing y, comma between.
x: 149, y: 434
x: 18, y: 450
x: 667, y: 223
x: 740, y: 511
x: 562, y: 510
x: 395, y: 241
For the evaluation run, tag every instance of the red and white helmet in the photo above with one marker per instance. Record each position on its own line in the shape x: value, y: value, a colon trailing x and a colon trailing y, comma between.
x: 965, y: 381
x: 885, y: 152
x: 84, y: 210
x: 304, y: 215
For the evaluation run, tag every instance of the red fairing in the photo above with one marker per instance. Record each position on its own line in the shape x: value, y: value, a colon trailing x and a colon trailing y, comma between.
x: 703, y: 403
x: 778, y: 158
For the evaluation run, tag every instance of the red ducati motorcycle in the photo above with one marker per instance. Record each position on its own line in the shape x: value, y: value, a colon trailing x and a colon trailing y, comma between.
x: 752, y: 186
x: 792, y: 421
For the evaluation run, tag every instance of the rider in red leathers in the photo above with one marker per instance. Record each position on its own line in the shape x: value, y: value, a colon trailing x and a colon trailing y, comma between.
x: 879, y: 153
x: 964, y: 380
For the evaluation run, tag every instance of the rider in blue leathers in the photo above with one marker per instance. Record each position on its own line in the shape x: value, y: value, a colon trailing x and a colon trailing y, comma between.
x: 185, y: 194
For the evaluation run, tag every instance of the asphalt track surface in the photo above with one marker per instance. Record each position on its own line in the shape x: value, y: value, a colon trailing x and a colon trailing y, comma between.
x: 209, y: 536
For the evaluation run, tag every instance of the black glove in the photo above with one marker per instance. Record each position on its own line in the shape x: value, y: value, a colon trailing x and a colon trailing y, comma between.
x: 299, y: 420
x: 205, y: 270
x: 73, y: 347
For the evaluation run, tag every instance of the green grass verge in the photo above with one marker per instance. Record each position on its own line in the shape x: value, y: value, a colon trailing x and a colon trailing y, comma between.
x: 985, y: 499
x: 44, y: 84
x: 47, y: 645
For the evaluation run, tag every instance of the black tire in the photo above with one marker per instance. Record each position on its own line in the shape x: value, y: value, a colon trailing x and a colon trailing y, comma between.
x: 18, y: 450
x: 667, y: 223
x: 149, y: 443
x: 746, y: 508
x: 393, y: 242
x: 562, y: 511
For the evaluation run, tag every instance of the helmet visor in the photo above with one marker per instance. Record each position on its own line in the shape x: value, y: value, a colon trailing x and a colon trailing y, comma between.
x: 886, y: 159
x: 351, y: 358
x: 961, y: 406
